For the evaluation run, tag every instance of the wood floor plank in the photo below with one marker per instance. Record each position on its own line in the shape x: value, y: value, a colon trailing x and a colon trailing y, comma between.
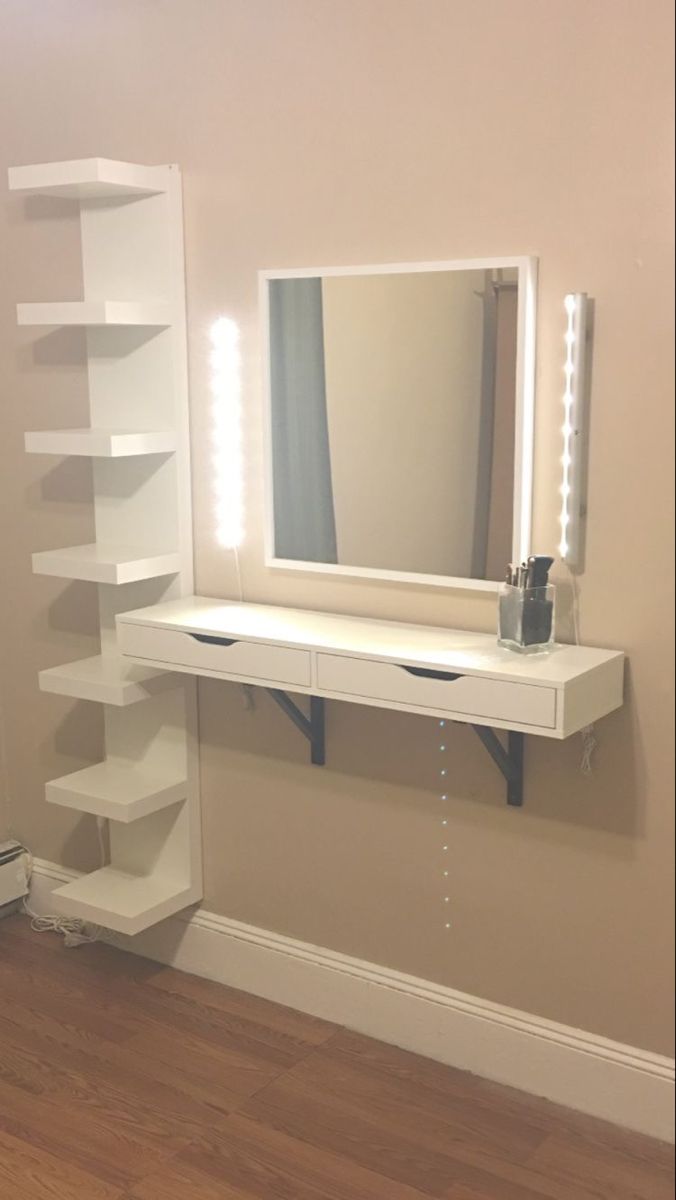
x: 268, y: 1165
x: 394, y: 1134
x: 452, y: 1085
x: 605, y: 1175
x: 208, y: 1074
x: 80, y: 1137
x: 408, y: 1107
x: 318, y: 1118
x: 303, y: 1028
x: 28, y: 1173
x: 23, y: 997
x: 226, y: 1076
x: 180, y: 1181
x: 404, y: 1137
x: 33, y: 1175
x: 123, y: 1084
x: 35, y: 972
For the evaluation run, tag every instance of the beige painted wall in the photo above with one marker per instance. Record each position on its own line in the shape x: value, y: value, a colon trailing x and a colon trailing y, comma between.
x: 311, y: 131
x: 403, y: 359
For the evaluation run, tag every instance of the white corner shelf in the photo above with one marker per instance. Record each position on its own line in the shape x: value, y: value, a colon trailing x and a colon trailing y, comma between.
x: 107, y: 679
x: 118, y: 791
x: 120, y: 900
x: 104, y: 564
x: 94, y: 313
x: 100, y: 443
x: 131, y: 318
x: 88, y: 179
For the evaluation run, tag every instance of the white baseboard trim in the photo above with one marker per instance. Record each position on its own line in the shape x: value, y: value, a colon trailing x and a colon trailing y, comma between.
x: 630, y: 1087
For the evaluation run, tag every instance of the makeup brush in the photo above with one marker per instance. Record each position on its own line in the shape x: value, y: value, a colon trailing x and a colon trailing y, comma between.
x: 538, y: 570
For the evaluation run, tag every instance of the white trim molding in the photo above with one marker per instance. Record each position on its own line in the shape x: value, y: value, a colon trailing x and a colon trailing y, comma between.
x: 628, y: 1086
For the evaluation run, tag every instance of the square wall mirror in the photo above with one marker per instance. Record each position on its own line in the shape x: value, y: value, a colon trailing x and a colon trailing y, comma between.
x: 399, y: 419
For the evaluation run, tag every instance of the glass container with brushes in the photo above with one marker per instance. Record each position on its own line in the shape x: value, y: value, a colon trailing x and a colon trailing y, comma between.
x: 526, y: 607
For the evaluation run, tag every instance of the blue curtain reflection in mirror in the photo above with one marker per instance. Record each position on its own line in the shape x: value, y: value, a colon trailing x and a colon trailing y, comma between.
x: 305, y: 526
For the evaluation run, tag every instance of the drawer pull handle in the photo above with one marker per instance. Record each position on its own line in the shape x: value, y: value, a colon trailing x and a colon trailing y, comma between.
x: 209, y: 640
x: 428, y: 673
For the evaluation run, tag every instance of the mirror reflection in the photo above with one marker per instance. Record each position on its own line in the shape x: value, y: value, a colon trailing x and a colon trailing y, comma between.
x: 393, y: 420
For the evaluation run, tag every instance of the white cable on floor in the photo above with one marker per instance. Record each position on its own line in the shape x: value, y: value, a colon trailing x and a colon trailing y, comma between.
x: 74, y: 930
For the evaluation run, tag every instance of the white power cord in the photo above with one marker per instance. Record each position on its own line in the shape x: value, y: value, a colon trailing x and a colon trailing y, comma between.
x: 248, y: 692
x: 74, y: 930
x: 238, y: 571
x: 588, y: 733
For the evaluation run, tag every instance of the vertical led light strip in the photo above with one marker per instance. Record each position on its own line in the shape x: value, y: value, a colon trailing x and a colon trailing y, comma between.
x: 443, y: 771
x: 573, y: 429
x: 226, y: 405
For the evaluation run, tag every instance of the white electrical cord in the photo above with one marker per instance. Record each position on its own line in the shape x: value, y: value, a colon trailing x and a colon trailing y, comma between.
x: 248, y: 696
x: 588, y: 734
x: 238, y: 571
x: 74, y: 930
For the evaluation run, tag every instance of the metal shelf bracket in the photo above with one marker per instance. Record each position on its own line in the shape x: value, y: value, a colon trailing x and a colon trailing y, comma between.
x: 509, y: 761
x: 313, y: 728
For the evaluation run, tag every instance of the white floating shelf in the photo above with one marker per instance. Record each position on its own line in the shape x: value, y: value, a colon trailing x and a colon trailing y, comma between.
x: 94, y: 312
x: 104, y: 564
x: 121, y: 901
x: 118, y: 791
x: 107, y: 679
x: 100, y: 443
x: 88, y: 178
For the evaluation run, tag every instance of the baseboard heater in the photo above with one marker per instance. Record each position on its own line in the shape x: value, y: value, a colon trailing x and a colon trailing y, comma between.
x: 13, y: 876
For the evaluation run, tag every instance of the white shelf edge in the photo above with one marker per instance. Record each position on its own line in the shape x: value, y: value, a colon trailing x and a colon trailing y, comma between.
x: 94, y: 312
x: 117, y: 791
x: 123, y: 902
x: 88, y: 179
x: 107, y: 679
x: 100, y: 564
x: 100, y: 443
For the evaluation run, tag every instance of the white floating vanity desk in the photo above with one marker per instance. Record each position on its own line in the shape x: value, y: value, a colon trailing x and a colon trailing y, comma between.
x: 444, y: 673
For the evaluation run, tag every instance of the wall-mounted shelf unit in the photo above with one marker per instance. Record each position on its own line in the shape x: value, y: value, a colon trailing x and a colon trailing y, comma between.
x: 94, y: 313
x: 88, y: 179
x: 126, y: 901
x: 107, y: 679
x: 452, y: 674
x: 100, y: 443
x: 103, y: 563
x: 133, y: 315
x: 113, y: 790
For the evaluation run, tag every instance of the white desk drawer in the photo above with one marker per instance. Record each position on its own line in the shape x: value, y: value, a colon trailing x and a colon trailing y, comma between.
x: 230, y: 658
x: 469, y: 695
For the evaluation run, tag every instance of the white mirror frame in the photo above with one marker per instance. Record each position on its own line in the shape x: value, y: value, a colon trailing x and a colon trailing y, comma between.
x: 524, y: 422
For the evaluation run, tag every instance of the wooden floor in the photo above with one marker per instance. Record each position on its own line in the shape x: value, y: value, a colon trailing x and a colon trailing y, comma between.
x: 124, y: 1080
